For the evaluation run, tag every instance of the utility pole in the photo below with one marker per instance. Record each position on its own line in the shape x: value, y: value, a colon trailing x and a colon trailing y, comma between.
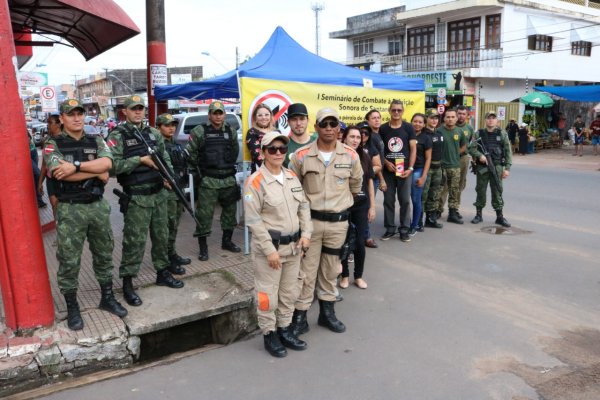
x: 157, y: 55
x: 317, y: 8
x: 77, y: 94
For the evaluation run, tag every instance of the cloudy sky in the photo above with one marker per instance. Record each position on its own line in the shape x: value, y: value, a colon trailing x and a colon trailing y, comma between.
x: 197, y: 26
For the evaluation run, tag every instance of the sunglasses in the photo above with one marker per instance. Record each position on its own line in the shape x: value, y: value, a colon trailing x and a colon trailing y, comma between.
x: 332, y: 124
x: 273, y: 149
x: 394, y: 110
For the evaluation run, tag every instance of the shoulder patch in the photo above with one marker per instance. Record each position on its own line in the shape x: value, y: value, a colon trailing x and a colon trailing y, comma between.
x: 351, y: 151
x: 255, y: 180
x: 300, y: 154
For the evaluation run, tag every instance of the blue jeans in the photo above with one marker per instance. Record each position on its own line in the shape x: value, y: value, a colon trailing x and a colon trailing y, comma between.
x: 415, y: 195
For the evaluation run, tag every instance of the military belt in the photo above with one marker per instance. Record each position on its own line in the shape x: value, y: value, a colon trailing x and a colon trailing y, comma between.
x: 218, y: 175
x: 145, y: 191
x: 289, y: 238
x: 76, y: 201
x: 330, y: 217
x: 435, y: 165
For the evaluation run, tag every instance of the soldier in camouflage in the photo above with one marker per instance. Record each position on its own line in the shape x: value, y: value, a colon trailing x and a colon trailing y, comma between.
x: 167, y: 125
x: 144, y: 187
x: 80, y: 165
x: 433, y: 188
x: 213, y: 150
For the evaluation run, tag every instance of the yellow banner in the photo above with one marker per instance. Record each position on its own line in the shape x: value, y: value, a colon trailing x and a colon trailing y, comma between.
x: 352, y: 103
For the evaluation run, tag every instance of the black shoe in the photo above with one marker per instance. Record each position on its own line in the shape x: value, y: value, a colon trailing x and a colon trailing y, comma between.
x: 500, y: 220
x: 327, y: 317
x: 388, y: 235
x: 420, y: 229
x: 178, y: 260
x: 299, y: 323
x: 129, y: 294
x: 431, y: 222
x: 289, y: 340
x: 478, y: 217
x: 203, y: 254
x: 164, y: 278
x: 411, y: 232
x: 74, y: 321
x: 109, y: 303
x: 176, y: 269
x: 273, y: 345
x: 405, y: 237
x: 453, y: 217
x: 227, y: 244
x: 459, y: 215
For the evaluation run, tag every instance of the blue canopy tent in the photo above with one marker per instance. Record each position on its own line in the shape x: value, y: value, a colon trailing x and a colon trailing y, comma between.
x: 573, y: 93
x: 283, y: 59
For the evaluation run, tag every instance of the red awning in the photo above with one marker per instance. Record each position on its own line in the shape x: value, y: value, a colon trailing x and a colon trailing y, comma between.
x: 92, y: 26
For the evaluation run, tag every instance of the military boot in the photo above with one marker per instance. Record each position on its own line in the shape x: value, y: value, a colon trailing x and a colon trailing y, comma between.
x: 227, y: 244
x: 500, y: 220
x: 453, y: 217
x: 299, y: 323
x: 289, y: 340
x: 478, y: 217
x: 108, y: 301
x: 74, y: 321
x: 273, y: 345
x: 175, y: 267
x: 129, y: 294
x: 327, y: 317
x: 203, y: 255
x: 164, y: 278
x: 431, y: 222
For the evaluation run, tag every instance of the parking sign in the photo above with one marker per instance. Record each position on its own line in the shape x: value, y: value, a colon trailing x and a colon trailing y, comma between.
x: 48, y: 98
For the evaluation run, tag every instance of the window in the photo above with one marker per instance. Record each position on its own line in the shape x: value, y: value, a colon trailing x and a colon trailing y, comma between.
x: 581, y: 48
x: 539, y: 43
x: 395, y: 45
x: 421, y: 40
x: 492, y: 32
x: 464, y: 34
x: 363, y: 47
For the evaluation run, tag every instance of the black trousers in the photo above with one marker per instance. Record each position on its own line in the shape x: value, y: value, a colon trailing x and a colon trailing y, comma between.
x: 360, y: 218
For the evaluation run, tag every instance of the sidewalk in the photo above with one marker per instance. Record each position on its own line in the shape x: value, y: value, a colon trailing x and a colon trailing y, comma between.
x: 560, y: 158
x: 219, y: 291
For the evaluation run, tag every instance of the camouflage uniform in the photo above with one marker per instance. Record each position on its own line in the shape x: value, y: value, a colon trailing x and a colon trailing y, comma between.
x: 78, y: 221
x: 174, y: 205
x: 454, y: 139
x: 145, y: 212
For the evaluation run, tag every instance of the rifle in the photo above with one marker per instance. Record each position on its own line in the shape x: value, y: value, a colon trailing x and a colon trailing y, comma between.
x: 167, y: 175
x: 490, y: 165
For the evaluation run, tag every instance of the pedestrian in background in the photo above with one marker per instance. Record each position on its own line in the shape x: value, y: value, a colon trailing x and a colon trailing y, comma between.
x: 54, y: 129
x: 578, y: 127
x: 299, y: 136
x: 262, y: 123
x: 278, y: 214
x: 595, y: 133
x: 147, y: 206
x: 80, y: 164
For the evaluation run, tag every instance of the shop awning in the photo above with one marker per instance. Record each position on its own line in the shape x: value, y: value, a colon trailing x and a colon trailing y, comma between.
x: 91, y: 26
x: 573, y: 93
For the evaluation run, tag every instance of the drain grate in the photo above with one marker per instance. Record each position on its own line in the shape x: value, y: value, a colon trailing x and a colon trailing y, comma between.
x: 500, y: 230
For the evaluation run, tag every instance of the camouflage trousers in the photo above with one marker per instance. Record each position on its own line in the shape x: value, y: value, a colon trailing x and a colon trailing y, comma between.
x: 75, y: 223
x: 465, y: 162
x: 205, y: 208
x: 483, y: 179
x: 145, y: 213
x: 174, y: 211
x: 432, y: 190
x: 451, y: 188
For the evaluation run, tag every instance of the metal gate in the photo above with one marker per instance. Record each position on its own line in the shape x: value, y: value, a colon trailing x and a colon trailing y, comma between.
x: 507, y: 110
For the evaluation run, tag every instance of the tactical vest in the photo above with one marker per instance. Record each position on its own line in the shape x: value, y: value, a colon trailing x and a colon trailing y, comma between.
x: 217, y: 152
x: 493, y: 143
x: 86, y: 191
x: 132, y: 147
x: 178, y: 160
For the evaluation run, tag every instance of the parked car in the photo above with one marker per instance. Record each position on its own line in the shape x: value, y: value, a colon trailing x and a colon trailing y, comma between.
x: 37, y: 132
x: 189, y: 121
x: 91, y: 130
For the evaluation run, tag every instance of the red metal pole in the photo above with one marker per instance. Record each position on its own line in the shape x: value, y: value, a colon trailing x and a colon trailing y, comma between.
x: 23, y: 274
x: 157, y: 55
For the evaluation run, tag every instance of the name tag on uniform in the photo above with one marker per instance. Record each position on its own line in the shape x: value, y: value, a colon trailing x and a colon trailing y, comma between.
x: 131, y: 142
x: 89, y: 151
x: 297, y: 189
x: 226, y: 135
x: 152, y: 137
x: 498, y: 139
x: 212, y: 135
x: 342, y: 166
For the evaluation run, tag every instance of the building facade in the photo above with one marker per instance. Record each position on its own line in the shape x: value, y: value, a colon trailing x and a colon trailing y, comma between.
x: 480, y: 50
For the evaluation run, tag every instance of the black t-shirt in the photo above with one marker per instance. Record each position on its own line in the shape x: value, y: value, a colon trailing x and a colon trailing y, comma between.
x: 424, y: 142
x: 396, y: 141
x: 437, y: 141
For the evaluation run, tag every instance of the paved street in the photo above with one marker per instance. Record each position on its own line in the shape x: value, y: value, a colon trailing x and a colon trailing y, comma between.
x: 457, y: 313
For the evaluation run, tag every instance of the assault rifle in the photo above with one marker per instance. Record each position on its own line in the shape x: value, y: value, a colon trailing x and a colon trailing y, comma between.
x: 167, y: 174
x: 490, y: 165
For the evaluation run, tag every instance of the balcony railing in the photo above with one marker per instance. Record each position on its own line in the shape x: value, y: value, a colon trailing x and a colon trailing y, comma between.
x: 479, y: 58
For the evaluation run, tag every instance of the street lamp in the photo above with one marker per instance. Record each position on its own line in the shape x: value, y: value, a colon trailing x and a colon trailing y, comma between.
x: 124, y: 84
x: 206, y: 53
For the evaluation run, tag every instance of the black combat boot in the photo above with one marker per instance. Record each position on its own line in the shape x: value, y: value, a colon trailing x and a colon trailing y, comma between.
x: 500, y: 220
x: 227, y: 244
x: 289, y: 340
x: 327, y: 317
x: 273, y: 345
x: 129, y: 294
x: 431, y: 222
x: 453, y: 217
x: 108, y: 301
x: 478, y: 217
x: 164, y: 278
x: 177, y: 259
x: 203, y: 255
x: 299, y: 323
x: 175, y: 267
x: 74, y: 321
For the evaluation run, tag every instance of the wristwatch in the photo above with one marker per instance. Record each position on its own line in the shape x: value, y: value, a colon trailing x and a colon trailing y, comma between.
x: 410, y: 168
x: 77, y: 165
